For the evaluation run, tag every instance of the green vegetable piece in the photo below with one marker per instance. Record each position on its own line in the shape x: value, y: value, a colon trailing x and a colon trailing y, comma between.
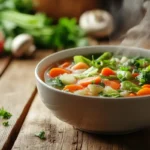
x: 25, y: 6
x: 56, y: 82
x: 67, y: 33
x: 104, y: 56
x: 6, y: 123
x: 89, y: 72
x: 141, y: 63
x: 129, y: 86
x: 41, y: 135
x: 125, y: 68
x: 25, y: 21
x: 110, y: 92
x: 144, y: 76
x: 5, y: 114
x: 124, y: 75
x: 103, y: 61
x: 79, y: 58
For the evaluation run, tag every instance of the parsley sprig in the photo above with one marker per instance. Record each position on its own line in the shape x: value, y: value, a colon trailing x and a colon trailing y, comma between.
x: 41, y: 135
x: 6, y: 123
x: 5, y: 114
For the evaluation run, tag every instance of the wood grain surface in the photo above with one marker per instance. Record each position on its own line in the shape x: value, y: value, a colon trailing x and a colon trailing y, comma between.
x: 4, y: 62
x: 18, y: 93
x: 17, y: 89
x: 62, y: 136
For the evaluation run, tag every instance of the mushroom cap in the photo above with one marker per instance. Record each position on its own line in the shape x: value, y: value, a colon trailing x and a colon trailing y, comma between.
x: 21, y: 44
x: 30, y: 51
x: 97, y: 22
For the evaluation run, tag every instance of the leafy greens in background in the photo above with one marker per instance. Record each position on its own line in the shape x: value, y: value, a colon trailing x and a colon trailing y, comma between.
x: 17, y: 16
x: 24, y: 6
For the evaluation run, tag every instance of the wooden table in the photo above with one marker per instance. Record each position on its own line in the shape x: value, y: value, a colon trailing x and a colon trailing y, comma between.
x: 19, y: 96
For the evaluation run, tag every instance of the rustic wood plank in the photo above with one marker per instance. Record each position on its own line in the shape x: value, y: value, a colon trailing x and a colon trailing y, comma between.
x: 17, y: 89
x: 93, y: 42
x: 61, y: 136
x: 4, y: 62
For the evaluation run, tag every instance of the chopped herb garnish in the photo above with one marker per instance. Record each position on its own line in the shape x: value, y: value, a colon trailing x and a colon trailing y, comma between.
x: 6, y: 123
x: 5, y: 114
x: 102, y: 84
x: 56, y: 82
x: 141, y: 63
x: 125, y: 68
x: 144, y: 76
x: 114, y: 95
x: 41, y: 135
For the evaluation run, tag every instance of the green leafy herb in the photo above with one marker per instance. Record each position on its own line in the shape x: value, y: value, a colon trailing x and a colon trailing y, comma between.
x: 104, y: 61
x: 25, y: 6
x: 102, y: 84
x: 6, y: 123
x: 56, y: 82
x: 141, y: 63
x: 115, y: 95
x: 66, y: 33
x: 144, y: 76
x: 41, y: 135
x: 125, y: 68
x: 129, y: 86
x: 124, y: 75
x: 136, y: 70
x: 5, y: 114
x: 110, y: 63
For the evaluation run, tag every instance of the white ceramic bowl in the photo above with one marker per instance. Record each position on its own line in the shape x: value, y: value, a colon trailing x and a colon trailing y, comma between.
x: 95, y: 114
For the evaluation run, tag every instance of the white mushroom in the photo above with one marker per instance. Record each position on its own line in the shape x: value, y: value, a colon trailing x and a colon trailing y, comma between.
x: 23, y: 44
x: 30, y: 51
x: 97, y: 22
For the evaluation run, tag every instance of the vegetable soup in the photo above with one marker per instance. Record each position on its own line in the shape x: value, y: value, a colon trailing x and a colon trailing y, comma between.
x: 103, y: 75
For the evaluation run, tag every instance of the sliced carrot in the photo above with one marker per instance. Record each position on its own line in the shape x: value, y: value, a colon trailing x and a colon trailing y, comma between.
x: 112, y: 83
x: 54, y: 72
x: 90, y: 80
x: 73, y: 87
x: 80, y: 65
x: 143, y: 91
x: 146, y: 86
x: 65, y: 64
x: 107, y: 72
x: 135, y: 74
x: 132, y: 94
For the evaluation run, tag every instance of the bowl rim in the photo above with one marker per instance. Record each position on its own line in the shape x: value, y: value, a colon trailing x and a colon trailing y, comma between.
x: 88, y: 97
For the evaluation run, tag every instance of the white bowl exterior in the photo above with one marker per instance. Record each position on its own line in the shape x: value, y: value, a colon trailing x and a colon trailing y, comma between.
x: 95, y: 114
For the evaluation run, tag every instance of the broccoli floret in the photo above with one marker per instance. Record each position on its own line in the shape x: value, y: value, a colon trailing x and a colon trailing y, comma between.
x: 144, y: 76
